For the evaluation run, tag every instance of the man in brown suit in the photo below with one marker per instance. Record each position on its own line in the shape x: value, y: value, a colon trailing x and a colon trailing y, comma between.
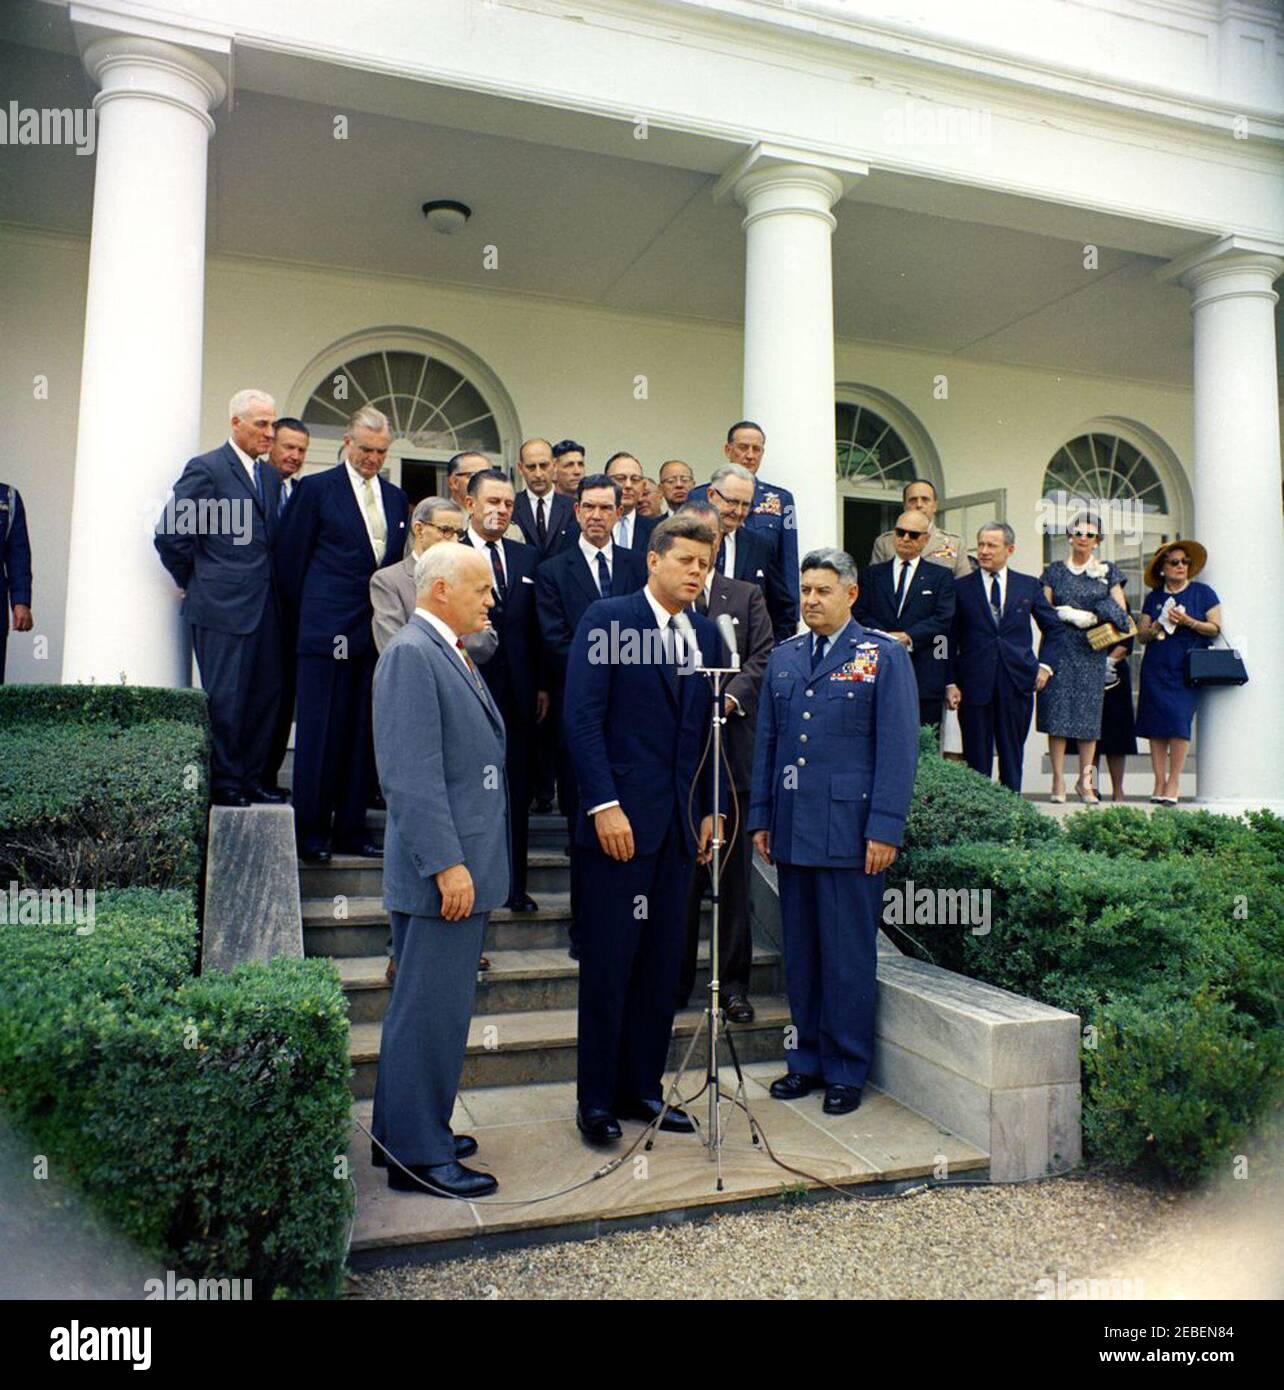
x: 743, y: 601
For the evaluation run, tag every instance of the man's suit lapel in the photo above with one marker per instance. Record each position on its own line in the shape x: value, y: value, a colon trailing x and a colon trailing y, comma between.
x: 478, y: 686
x: 242, y: 480
x: 583, y: 577
x: 666, y: 670
x: 837, y: 652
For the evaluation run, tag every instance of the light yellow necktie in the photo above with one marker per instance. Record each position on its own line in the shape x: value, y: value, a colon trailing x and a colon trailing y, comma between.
x: 378, y: 530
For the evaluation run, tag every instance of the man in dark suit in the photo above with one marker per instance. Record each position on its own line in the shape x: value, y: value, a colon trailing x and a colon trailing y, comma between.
x: 446, y: 867
x: 832, y: 779
x: 515, y: 673
x: 772, y: 515
x: 339, y: 527
x: 215, y: 537
x: 288, y: 454
x: 744, y: 604
x: 636, y: 722
x: 994, y: 672
x: 544, y: 516
x: 912, y: 600
x: 745, y: 554
x: 15, y: 567
x: 592, y: 568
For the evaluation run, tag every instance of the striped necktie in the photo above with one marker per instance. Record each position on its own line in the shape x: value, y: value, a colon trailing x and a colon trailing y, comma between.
x: 378, y: 528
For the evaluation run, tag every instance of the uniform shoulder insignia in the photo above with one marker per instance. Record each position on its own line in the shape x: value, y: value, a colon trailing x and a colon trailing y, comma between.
x: 877, y: 632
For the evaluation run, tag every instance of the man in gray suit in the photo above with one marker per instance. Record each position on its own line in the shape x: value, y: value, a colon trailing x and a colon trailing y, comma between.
x: 392, y: 589
x: 439, y: 748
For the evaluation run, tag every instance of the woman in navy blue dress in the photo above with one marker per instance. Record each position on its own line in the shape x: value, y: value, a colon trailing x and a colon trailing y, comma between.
x: 1178, y: 614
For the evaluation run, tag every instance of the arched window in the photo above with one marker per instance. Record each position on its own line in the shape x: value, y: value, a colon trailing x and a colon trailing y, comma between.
x: 870, y: 451
x: 431, y: 405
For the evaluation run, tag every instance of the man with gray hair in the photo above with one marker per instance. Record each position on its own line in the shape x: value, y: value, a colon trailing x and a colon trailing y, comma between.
x: 832, y: 778
x: 440, y: 747
x: 744, y: 554
x: 216, y: 537
x: 340, y: 526
x: 993, y: 671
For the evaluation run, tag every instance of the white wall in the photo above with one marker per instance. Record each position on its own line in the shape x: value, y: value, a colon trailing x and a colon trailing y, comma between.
x: 569, y: 371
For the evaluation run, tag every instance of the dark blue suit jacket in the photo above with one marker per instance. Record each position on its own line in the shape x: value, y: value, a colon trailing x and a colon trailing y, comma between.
x: 560, y: 512
x: 927, y: 614
x: 514, y: 674
x: 634, y: 727
x: 836, y: 750
x: 978, y: 649
x: 774, y: 517
x: 324, y: 560
x: 15, y: 555
x: 757, y: 564
x: 202, y: 538
x: 565, y: 588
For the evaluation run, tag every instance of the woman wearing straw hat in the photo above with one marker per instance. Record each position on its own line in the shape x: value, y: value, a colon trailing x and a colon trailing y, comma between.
x: 1178, y: 614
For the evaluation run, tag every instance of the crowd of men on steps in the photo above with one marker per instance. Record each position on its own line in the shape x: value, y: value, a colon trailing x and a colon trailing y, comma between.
x: 451, y: 661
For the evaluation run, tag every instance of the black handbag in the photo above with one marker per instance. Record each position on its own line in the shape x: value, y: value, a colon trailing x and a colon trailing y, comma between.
x: 1215, y: 666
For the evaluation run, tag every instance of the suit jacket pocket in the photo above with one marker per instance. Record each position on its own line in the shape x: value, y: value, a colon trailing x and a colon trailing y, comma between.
x: 848, y: 812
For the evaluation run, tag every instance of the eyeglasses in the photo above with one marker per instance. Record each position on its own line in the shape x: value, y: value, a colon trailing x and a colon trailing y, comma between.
x: 1085, y: 535
x: 1176, y: 560
x: 735, y: 506
x: 907, y: 535
x: 454, y: 531
x: 687, y: 478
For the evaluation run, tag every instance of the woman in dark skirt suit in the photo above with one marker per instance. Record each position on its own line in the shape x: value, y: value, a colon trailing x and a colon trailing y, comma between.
x: 1085, y: 591
x: 1178, y: 614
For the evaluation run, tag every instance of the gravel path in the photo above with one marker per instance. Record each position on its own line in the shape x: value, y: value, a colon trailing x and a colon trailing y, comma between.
x: 975, y: 1242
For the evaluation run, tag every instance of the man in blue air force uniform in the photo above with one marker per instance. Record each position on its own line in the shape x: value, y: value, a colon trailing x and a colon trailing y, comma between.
x: 833, y: 773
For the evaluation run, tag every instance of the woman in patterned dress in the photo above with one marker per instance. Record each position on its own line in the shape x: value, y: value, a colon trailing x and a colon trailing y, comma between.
x: 1085, y: 591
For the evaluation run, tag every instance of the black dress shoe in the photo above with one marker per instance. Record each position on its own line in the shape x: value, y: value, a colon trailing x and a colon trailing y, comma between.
x: 229, y: 797
x: 675, y: 1122
x: 268, y: 796
x: 739, y: 1009
x: 522, y: 902
x: 444, y: 1179
x: 841, y: 1100
x: 794, y: 1085
x: 598, y: 1126
x: 543, y: 808
x: 465, y: 1147
x: 367, y: 849
x: 573, y: 951
x: 316, y: 855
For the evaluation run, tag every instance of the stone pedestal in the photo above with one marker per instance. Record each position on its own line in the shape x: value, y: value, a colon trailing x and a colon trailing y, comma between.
x: 252, y: 907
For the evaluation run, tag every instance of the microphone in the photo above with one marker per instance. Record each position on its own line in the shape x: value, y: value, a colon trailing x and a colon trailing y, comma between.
x: 728, y: 631
x: 683, y: 625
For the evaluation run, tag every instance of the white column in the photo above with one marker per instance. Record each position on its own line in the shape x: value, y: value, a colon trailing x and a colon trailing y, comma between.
x: 140, y: 381
x: 789, y: 336
x: 1240, y: 735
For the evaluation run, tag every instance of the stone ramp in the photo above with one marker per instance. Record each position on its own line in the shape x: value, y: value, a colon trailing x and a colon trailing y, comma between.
x: 527, y: 1138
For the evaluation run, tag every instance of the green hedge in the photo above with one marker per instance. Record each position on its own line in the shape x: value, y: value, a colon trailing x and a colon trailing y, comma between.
x: 204, y: 1117
x: 104, y: 804
x: 99, y: 705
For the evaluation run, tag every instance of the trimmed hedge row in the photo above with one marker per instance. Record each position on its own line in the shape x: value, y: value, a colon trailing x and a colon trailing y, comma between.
x: 98, y: 705
x: 206, y: 1118
x: 1165, y: 934
x: 104, y: 805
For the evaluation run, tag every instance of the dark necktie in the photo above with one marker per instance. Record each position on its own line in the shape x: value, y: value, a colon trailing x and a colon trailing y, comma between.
x: 258, y: 482
x: 818, y: 650
x: 468, y: 661
x: 720, y: 564
x: 996, y: 602
x: 900, y: 587
x: 603, y: 576
x: 285, y: 497
x: 501, y: 589
x: 541, y: 524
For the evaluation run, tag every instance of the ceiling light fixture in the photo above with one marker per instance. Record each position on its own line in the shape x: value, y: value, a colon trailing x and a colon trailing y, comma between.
x: 446, y: 216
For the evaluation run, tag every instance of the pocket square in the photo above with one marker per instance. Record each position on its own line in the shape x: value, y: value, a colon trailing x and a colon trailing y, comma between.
x: 526, y: 579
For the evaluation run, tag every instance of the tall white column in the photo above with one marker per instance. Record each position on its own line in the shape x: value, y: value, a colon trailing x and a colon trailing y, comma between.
x: 789, y: 335
x: 140, y: 381
x: 1240, y: 748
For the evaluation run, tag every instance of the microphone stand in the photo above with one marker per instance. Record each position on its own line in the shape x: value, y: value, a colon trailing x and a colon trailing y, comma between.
x: 714, y: 1027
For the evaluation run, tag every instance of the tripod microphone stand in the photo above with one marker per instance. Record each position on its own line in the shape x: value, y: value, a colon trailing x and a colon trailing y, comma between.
x: 714, y: 1027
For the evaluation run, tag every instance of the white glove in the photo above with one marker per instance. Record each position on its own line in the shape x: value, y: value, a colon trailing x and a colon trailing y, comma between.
x: 1076, y: 617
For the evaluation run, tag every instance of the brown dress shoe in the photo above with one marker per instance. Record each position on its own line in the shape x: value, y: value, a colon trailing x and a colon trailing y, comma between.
x: 484, y: 963
x: 391, y: 973
x: 739, y: 1009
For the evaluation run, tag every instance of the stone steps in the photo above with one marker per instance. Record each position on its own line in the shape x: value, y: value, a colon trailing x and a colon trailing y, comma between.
x: 352, y: 875
x: 520, y: 981
x: 522, y: 1049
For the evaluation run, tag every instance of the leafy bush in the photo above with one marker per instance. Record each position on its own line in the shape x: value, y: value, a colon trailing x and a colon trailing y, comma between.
x: 204, y: 1117
x: 97, y: 706
x: 952, y: 803
x: 103, y: 804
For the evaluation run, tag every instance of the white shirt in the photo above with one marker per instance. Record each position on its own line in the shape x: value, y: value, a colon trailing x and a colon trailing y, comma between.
x: 479, y: 542
x: 729, y: 553
x: 910, y: 567
x: 622, y: 533
x: 246, y: 462
x: 829, y: 641
x: 359, y: 492
x: 662, y: 616
x: 450, y: 635
x: 590, y: 553
x: 987, y: 580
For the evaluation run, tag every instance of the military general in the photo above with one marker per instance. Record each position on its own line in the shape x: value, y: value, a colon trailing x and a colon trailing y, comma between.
x: 833, y: 773
x: 942, y: 548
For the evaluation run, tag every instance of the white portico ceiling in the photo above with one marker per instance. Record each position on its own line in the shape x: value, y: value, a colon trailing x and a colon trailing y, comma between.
x: 630, y: 232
